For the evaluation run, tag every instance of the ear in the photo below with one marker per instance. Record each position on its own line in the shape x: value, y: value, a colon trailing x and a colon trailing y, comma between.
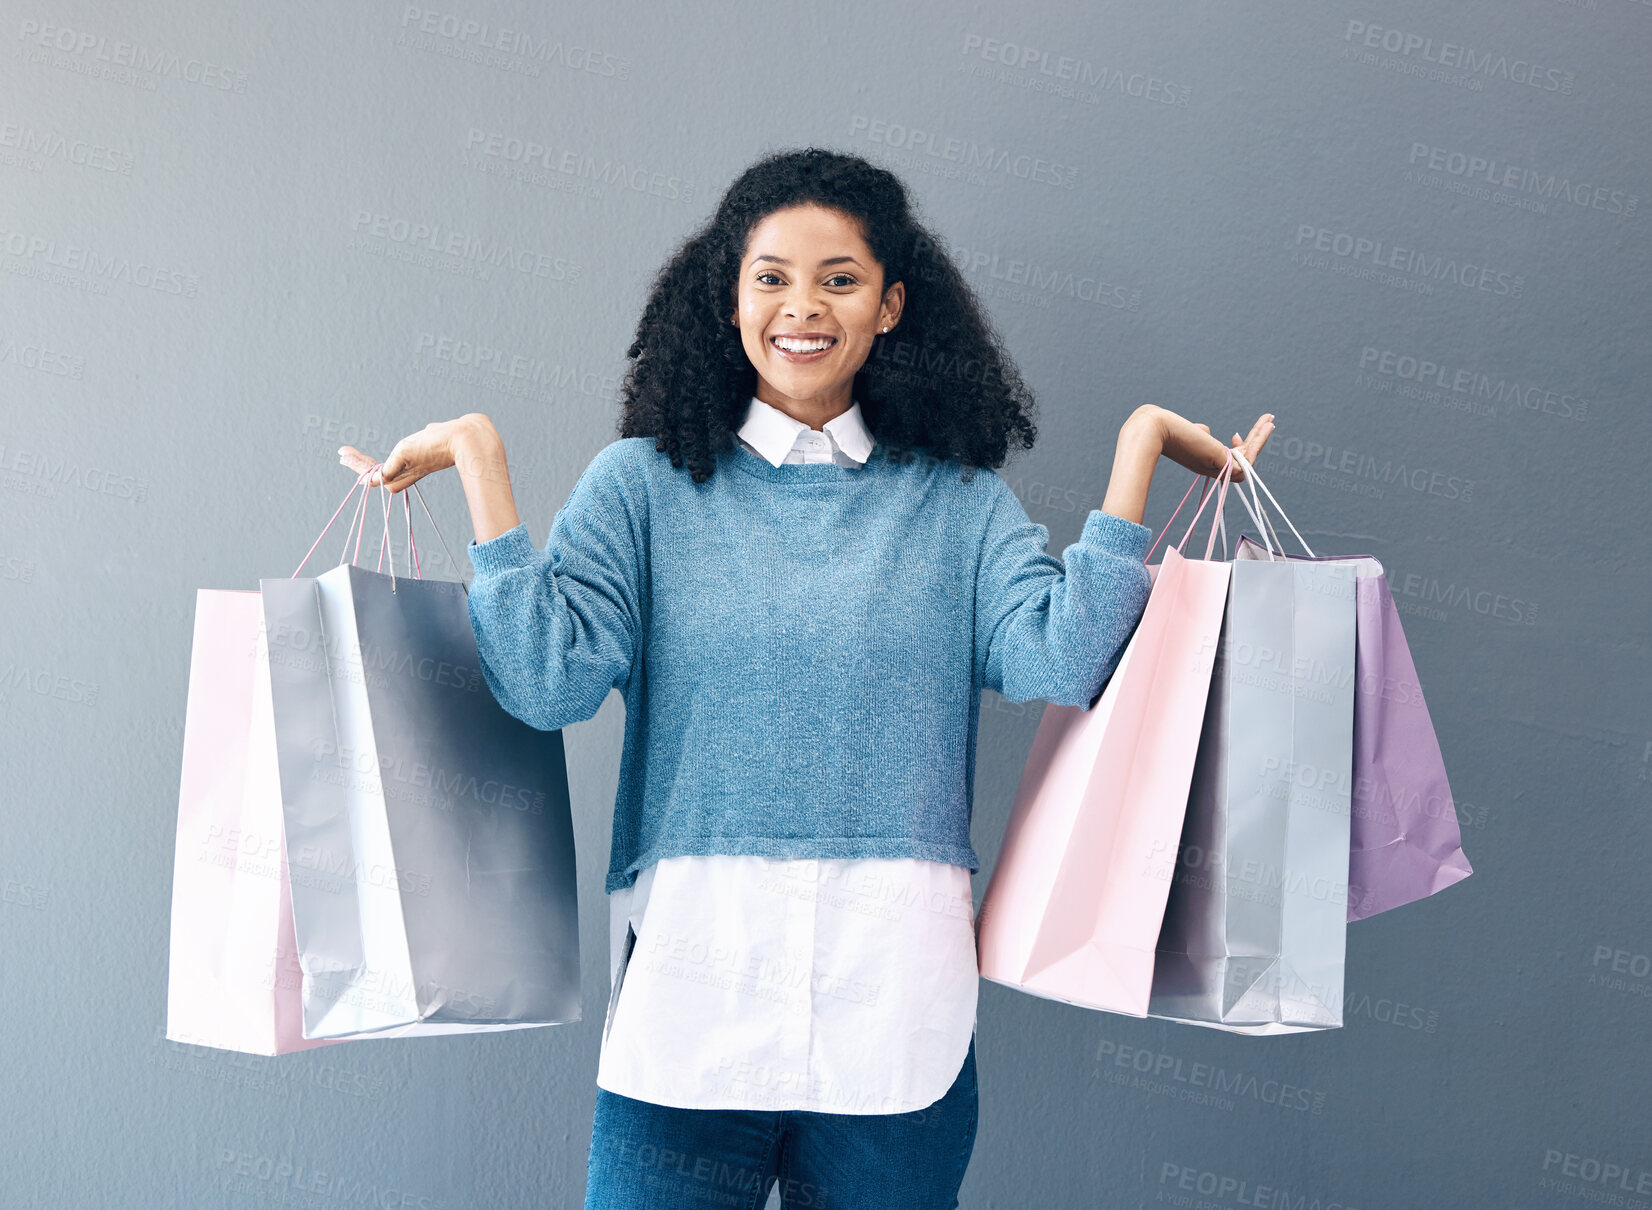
x: 894, y: 301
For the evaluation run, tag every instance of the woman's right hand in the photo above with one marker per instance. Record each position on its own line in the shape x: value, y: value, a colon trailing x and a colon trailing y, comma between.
x: 433, y: 448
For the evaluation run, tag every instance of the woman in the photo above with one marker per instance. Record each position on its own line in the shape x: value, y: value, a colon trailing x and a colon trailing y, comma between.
x: 791, y: 569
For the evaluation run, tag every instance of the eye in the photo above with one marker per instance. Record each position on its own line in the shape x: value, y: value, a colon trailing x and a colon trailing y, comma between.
x: 847, y: 279
x: 769, y: 273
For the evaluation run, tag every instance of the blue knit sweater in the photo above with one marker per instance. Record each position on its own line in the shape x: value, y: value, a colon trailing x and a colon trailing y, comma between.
x: 801, y: 648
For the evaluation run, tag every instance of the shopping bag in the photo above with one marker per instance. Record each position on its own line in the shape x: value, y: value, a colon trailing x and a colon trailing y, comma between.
x: 1254, y: 930
x: 429, y: 832
x: 1073, y: 906
x: 232, y: 977
x: 1404, y: 838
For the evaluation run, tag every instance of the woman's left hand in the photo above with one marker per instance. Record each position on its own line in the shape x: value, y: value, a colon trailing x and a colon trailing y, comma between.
x: 1192, y: 446
x: 1151, y: 432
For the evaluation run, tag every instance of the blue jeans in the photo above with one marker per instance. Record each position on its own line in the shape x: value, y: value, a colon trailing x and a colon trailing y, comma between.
x: 647, y: 1155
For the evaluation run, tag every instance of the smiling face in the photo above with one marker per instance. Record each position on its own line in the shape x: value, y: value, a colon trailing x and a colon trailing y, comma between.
x: 811, y: 299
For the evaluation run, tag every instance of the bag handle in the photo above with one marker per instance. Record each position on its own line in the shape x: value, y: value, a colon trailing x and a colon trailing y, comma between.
x: 1256, y: 481
x: 358, y: 520
x: 1221, y: 516
x: 1256, y: 520
x: 1221, y: 480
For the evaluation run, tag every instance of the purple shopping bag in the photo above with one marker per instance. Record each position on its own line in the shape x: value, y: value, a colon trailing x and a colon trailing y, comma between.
x: 1405, y: 842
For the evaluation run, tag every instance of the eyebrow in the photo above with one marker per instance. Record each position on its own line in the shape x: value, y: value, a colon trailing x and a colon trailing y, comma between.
x: 780, y: 260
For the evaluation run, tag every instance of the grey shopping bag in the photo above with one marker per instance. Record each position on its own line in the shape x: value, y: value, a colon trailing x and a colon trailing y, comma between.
x: 428, y: 832
x: 1254, y: 932
x: 1405, y: 843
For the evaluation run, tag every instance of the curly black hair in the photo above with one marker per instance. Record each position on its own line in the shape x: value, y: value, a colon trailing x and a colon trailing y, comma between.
x: 940, y: 384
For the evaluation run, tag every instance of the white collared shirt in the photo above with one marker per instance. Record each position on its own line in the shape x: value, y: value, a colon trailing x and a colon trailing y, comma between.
x: 839, y: 986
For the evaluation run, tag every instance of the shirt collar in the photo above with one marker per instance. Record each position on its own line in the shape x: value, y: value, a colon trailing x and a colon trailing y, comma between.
x: 774, y: 434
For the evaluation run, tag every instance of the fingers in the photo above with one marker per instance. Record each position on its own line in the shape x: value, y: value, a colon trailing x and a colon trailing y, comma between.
x: 353, y: 458
x: 1259, y: 434
x: 395, y: 471
x: 392, y: 473
x: 350, y: 456
x: 1249, y: 447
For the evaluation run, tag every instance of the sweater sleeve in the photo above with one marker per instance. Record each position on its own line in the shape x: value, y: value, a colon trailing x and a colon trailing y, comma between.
x: 557, y: 629
x: 1054, y: 629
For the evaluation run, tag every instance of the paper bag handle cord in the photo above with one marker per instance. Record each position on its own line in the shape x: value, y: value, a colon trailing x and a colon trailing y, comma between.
x: 1250, y: 473
x: 1264, y: 524
x: 1208, y: 481
x: 358, y: 521
x: 1163, y: 531
x: 1196, y: 481
x: 1221, y: 480
x: 360, y: 513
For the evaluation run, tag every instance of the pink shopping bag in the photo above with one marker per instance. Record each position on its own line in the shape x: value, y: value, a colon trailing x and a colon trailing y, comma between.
x: 234, y: 978
x: 1076, y: 898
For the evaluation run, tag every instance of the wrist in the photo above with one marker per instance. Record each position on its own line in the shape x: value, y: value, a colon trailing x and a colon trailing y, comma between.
x: 473, y: 432
x: 1140, y: 443
x: 1142, y: 433
x: 477, y: 449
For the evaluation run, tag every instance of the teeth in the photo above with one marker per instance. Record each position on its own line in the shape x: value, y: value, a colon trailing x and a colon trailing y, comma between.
x: 801, y: 346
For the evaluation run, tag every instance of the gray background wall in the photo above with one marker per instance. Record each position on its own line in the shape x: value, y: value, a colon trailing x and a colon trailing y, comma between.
x: 235, y: 237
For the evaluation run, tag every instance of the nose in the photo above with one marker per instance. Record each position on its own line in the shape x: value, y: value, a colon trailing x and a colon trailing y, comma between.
x: 802, y: 304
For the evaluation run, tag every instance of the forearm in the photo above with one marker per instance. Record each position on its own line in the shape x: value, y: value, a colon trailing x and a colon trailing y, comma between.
x: 1135, y: 456
x: 479, y: 458
x: 556, y: 629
